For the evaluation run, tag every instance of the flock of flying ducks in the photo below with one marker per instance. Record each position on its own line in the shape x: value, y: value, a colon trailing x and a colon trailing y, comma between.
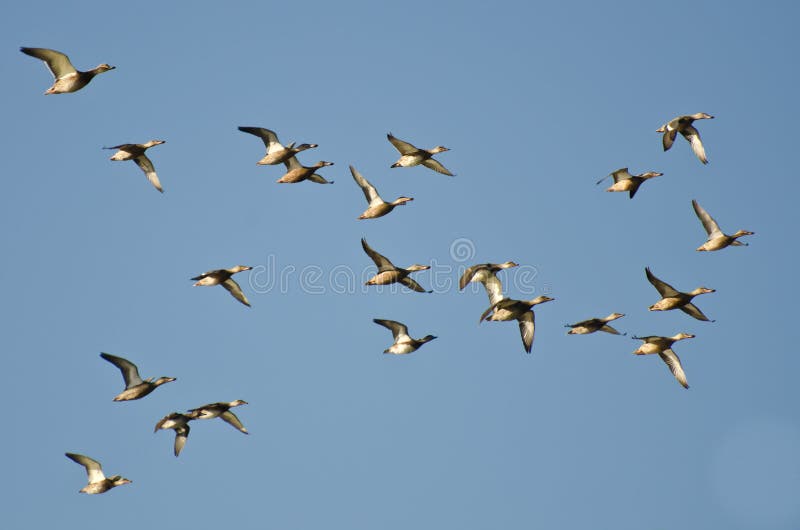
x: 501, y: 308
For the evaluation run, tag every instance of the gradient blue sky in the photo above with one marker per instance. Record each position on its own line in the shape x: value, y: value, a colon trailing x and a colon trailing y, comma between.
x: 536, y: 101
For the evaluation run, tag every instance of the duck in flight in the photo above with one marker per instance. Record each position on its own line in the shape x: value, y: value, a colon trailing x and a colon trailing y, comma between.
x: 403, y: 343
x: 223, y: 277
x: 135, y: 152
x: 135, y: 387
x: 67, y: 78
x: 377, y: 206
x: 624, y: 181
x: 222, y: 411
x: 663, y: 347
x: 671, y: 298
x: 717, y: 240
x: 684, y: 125
x: 519, y: 310
x: 98, y: 483
x: 388, y: 273
x: 413, y: 156
x: 277, y: 153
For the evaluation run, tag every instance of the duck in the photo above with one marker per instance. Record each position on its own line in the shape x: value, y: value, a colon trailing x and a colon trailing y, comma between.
x: 486, y: 274
x: 717, y: 240
x: 223, y: 277
x: 403, y: 343
x: 519, y: 310
x: 683, y: 125
x: 377, y: 206
x: 98, y: 483
x: 135, y: 387
x: 297, y: 172
x: 671, y: 298
x: 594, y: 324
x: 663, y: 347
x: 135, y: 152
x: 67, y: 78
x: 413, y: 156
x: 388, y: 273
x: 277, y: 153
x: 222, y: 411
x: 624, y: 181
x: 180, y: 424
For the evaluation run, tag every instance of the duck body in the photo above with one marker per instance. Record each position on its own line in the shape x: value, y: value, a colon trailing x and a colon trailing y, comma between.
x: 97, y: 481
x: 403, y: 342
x: 684, y: 125
x: 297, y: 172
x: 136, y: 152
x: 388, y: 273
x: 224, y: 277
x: 717, y: 240
x: 662, y: 346
x: 671, y: 298
x: 277, y: 153
x: 412, y: 156
x: 135, y: 387
x: 67, y: 78
x: 594, y: 324
x: 519, y: 310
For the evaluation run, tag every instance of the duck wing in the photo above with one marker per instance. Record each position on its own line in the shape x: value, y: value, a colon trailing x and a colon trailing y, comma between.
x: 711, y: 226
x: 412, y: 284
x: 292, y: 163
x: 230, y: 418
x: 527, y: 326
x: 146, y: 165
x: 57, y: 62
x: 319, y: 179
x: 435, y: 165
x: 620, y: 174
x: 207, y: 274
x: 405, y: 148
x: 398, y: 329
x: 609, y: 329
x: 93, y: 469
x: 674, y: 363
x: 380, y: 260
x: 690, y: 133
x: 663, y: 288
x: 181, y: 434
x: 233, y: 288
x: 269, y: 138
x: 669, y: 137
x: 129, y: 371
x: 692, y: 310
x: 634, y: 188
x: 369, y: 190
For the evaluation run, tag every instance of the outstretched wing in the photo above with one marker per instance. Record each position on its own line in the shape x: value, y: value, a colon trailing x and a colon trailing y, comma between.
x: 669, y: 137
x: 405, y: 148
x: 129, y: 371
x: 93, y: 469
x: 319, y: 179
x: 692, y: 310
x: 711, y: 226
x: 181, y: 434
x: 527, y: 325
x: 397, y: 328
x: 292, y: 163
x: 369, y: 190
x: 233, y: 288
x: 674, y: 363
x: 380, y: 261
x: 412, y: 284
x: 57, y: 62
x: 691, y: 134
x: 435, y: 165
x: 230, y: 418
x: 269, y: 137
x: 663, y: 288
x: 146, y: 165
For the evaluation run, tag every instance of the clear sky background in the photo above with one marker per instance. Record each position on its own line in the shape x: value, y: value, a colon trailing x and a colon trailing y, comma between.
x: 536, y: 102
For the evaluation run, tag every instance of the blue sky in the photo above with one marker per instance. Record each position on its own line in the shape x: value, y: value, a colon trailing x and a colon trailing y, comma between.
x: 536, y: 103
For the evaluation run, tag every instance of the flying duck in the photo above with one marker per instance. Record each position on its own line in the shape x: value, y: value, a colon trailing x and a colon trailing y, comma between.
x: 135, y: 387
x: 67, y: 78
x: 135, y: 152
